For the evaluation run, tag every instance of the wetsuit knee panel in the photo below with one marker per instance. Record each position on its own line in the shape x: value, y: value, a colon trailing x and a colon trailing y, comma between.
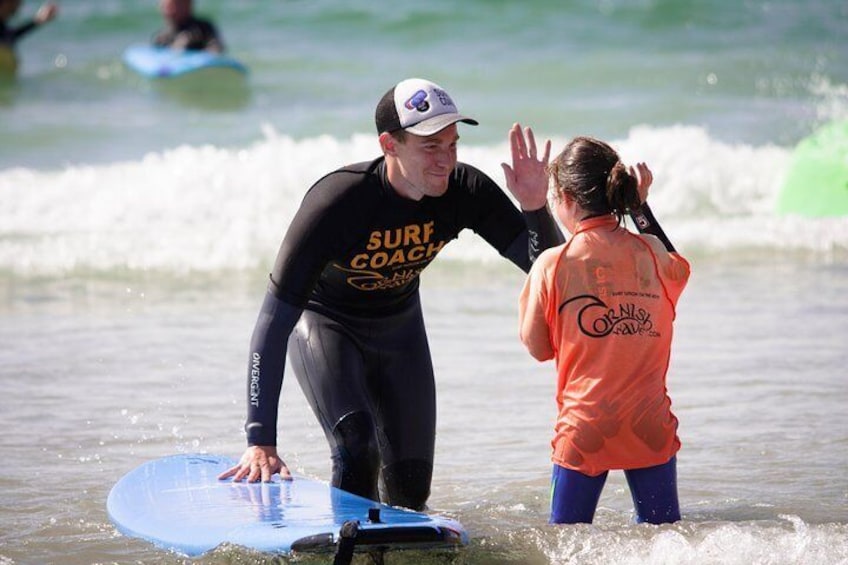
x: 356, y: 455
x: 356, y: 432
x: 407, y: 483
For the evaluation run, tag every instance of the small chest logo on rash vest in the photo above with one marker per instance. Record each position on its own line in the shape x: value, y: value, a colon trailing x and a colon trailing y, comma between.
x: 596, y: 319
x: 392, y: 257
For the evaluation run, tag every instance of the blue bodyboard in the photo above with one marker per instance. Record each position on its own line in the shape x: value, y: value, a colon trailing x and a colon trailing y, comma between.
x: 177, y: 503
x: 162, y: 62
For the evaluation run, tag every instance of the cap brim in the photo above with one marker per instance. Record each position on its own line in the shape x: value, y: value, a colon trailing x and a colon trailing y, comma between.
x: 438, y: 123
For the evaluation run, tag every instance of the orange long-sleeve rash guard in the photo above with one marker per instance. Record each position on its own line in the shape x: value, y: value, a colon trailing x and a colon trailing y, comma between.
x: 602, y: 305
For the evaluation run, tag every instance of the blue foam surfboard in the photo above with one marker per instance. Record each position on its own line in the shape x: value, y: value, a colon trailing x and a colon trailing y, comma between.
x: 177, y: 503
x: 162, y: 62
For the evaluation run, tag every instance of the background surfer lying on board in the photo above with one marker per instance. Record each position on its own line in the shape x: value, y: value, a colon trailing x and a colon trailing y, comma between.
x: 602, y: 305
x: 184, y: 30
x: 344, y: 293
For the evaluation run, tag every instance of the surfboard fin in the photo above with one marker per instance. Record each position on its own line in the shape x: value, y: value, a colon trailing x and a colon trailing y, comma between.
x: 347, y: 541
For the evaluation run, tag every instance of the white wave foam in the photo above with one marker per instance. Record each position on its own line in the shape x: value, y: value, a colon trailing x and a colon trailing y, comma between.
x: 788, y: 540
x: 206, y: 208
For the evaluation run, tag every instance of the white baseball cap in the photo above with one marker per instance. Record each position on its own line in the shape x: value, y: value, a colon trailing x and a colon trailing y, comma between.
x: 419, y: 107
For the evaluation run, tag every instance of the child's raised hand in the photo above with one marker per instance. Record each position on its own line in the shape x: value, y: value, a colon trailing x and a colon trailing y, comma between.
x: 644, y: 178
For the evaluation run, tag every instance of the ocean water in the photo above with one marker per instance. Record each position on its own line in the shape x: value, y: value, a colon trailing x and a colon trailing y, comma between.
x: 138, y: 222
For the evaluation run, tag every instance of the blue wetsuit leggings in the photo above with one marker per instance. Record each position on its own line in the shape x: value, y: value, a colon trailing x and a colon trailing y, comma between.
x: 574, y: 496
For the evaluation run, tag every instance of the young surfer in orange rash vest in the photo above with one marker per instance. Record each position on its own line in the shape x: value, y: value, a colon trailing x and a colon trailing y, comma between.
x: 602, y: 306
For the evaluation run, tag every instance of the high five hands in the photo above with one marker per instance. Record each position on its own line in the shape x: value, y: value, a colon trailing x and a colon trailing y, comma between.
x: 527, y: 178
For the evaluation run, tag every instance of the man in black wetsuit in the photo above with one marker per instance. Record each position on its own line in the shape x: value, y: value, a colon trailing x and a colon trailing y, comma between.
x: 184, y: 30
x: 344, y: 293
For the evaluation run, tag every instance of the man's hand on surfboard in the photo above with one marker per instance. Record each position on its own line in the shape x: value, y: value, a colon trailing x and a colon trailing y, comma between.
x: 258, y: 462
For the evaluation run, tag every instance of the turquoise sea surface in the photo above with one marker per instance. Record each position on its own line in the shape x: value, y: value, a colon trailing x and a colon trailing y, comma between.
x: 139, y: 220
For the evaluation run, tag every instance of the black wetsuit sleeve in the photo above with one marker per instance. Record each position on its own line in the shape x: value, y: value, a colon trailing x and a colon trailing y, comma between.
x: 203, y: 35
x: 647, y: 223
x: 542, y: 232
x: 276, y: 321
x: 22, y: 30
x: 519, y: 237
x: 311, y: 240
x: 214, y: 40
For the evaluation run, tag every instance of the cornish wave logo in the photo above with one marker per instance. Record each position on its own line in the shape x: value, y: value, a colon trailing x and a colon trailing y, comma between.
x: 418, y: 101
x: 596, y: 319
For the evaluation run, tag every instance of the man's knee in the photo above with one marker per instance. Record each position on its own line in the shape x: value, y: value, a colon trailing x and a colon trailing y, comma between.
x: 356, y: 456
x: 407, y: 483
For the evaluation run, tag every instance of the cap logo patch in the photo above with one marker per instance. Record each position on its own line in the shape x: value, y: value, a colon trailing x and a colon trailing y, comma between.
x: 418, y: 101
x: 443, y: 97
